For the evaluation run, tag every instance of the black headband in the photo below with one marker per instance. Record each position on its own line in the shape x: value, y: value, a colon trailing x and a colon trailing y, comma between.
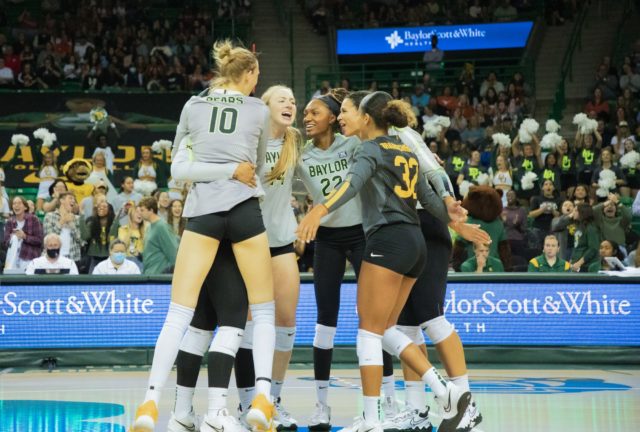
x: 331, y: 103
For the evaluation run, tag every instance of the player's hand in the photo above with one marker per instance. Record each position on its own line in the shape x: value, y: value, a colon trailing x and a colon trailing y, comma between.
x: 309, y: 224
x: 456, y: 212
x: 471, y: 232
x: 246, y: 173
x: 437, y: 158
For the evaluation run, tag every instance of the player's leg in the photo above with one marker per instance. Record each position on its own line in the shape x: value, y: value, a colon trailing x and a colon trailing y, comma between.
x: 251, y: 250
x: 229, y: 298
x: 329, y: 266
x: 194, y: 344
x: 286, y: 282
x: 196, y: 253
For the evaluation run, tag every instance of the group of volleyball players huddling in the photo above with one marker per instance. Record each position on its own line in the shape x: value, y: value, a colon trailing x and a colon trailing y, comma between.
x: 236, y: 268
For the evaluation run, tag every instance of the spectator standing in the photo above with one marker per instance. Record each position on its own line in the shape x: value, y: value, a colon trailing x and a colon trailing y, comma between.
x: 65, y: 223
x: 52, y: 261
x: 175, y: 219
x: 126, y: 195
x: 132, y: 233
x: 6, y: 75
x: 514, y: 218
x: 117, y: 263
x: 564, y: 228
x: 160, y: 243
x: 433, y: 57
x: 22, y: 236
x: 587, y: 239
x: 613, y: 220
x: 549, y: 262
x: 544, y: 208
x: 96, y: 233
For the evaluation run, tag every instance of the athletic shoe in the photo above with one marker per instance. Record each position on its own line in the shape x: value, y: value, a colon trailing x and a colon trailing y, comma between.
x: 283, y: 419
x: 190, y: 423
x: 146, y: 417
x: 321, y: 418
x: 409, y: 420
x: 361, y: 425
x: 389, y: 407
x: 453, y: 404
x: 471, y: 418
x: 242, y: 417
x: 261, y: 413
x: 223, y: 422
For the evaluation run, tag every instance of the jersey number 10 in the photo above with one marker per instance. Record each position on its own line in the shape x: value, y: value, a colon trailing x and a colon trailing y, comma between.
x: 223, y: 120
x: 408, y: 189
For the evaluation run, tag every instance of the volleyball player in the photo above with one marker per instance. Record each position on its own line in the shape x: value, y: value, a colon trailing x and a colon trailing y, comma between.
x: 324, y: 163
x: 225, y: 126
x: 387, y: 172
x: 281, y: 158
x: 426, y: 300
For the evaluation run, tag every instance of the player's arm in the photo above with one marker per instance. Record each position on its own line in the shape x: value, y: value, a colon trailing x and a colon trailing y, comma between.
x: 182, y: 129
x: 363, y: 167
x: 184, y: 168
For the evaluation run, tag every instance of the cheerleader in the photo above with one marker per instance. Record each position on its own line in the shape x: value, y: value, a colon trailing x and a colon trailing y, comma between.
x: 47, y: 174
x: 226, y: 126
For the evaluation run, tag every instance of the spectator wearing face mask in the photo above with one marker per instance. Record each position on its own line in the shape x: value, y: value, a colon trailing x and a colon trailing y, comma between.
x: 52, y: 262
x: 117, y: 263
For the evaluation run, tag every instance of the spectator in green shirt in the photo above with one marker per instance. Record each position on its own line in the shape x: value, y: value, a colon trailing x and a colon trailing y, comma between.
x: 587, y: 239
x: 549, y: 262
x: 608, y: 248
x: 160, y: 243
x: 612, y: 219
x: 482, y: 262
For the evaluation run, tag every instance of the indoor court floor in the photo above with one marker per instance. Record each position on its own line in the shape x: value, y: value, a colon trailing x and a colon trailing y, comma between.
x: 511, y: 399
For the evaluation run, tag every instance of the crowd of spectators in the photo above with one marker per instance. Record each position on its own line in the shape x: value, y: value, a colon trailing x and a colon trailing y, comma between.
x: 385, y: 13
x: 112, y: 44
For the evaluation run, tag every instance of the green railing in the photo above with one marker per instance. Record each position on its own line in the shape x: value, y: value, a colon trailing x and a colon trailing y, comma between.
x: 566, y: 68
x: 626, y: 34
x: 408, y: 74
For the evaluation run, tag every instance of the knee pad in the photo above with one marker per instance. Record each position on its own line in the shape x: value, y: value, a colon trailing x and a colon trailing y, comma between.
x: 263, y: 313
x: 178, y: 317
x: 438, y: 329
x: 412, y: 332
x: 227, y: 340
x: 394, y: 341
x: 285, y: 338
x: 247, y: 339
x: 324, y: 336
x: 196, y: 341
x: 369, y: 348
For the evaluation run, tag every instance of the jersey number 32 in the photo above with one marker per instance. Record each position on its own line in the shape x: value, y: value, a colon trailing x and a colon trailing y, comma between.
x: 409, y: 177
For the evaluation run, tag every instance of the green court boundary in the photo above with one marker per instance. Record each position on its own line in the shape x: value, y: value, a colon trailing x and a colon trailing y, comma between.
x: 345, y: 355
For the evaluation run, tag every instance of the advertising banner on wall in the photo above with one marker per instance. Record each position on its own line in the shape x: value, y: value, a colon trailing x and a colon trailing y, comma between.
x: 461, y: 37
x: 131, y: 315
x: 134, y: 121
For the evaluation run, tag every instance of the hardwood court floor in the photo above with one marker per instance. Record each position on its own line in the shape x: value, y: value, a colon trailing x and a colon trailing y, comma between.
x: 516, y: 399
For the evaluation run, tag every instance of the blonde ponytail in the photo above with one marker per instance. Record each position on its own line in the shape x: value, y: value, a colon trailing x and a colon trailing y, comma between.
x: 288, y: 155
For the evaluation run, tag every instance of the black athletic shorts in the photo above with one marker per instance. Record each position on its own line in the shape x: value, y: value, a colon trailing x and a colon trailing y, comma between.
x: 223, y: 298
x: 426, y: 300
x: 238, y: 224
x: 282, y: 250
x: 398, y: 247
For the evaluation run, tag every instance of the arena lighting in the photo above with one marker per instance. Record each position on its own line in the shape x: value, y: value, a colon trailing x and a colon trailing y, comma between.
x: 462, y: 37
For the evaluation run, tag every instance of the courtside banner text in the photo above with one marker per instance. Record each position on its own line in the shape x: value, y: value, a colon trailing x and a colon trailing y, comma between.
x: 131, y: 315
x: 464, y: 37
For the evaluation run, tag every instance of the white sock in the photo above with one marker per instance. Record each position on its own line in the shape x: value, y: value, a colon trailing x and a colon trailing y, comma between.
x: 264, y: 342
x: 167, y: 346
x: 462, y: 381
x: 217, y: 400
x: 435, y: 381
x: 276, y: 389
x: 389, y: 386
x: 246, y: 395
x: 322, y: 391
x: 184, y: 401
x: 372, y: 409
x: 415, y: 395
